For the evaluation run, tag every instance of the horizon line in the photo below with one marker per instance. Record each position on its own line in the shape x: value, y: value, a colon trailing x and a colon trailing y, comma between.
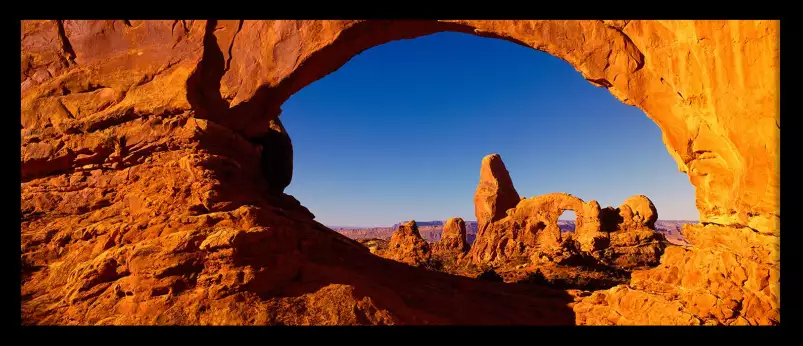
x: 417, y: 221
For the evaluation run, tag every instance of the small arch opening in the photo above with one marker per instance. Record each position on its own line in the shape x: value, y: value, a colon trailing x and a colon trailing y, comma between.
x: 567, y: 221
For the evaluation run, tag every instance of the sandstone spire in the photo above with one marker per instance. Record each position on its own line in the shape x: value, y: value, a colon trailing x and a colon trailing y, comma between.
x: 495, y: 193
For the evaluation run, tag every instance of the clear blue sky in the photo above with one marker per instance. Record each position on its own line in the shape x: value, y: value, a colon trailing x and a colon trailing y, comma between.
x: 399, y: 132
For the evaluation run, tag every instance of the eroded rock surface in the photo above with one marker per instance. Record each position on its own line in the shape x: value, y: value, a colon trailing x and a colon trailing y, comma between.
x: 495, y: 193
x: 407, y: 246
x: 728, y: 276
x: 149, y: 198
x: 532, y: 225
x: 627, y: 237
x: 376, y: 246
x: 624, y: 237
x: 449, y: 251
x: 453, y: 238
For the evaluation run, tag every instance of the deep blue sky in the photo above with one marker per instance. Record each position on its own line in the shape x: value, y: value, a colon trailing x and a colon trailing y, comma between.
x: 399, y: 132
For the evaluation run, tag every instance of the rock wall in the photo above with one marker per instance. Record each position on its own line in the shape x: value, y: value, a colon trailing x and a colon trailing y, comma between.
x: 729, y: 276
x: 140, y: 140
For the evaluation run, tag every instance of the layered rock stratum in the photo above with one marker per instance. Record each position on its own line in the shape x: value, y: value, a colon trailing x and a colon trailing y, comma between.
x: 154, y: 163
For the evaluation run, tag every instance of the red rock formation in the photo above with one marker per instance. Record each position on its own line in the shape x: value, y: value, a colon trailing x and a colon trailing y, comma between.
x: 623, y: 237
x: 635, y: 243
x: 691, y: 287
x: 626, y: 236
x: 449, y: 252
x: 642, y: 212
x: 529, y: 229
x: 453, y: 238
x: 407, y: 246
x: 495, y: 193
x: 376, y: 246
x: 141, y: 141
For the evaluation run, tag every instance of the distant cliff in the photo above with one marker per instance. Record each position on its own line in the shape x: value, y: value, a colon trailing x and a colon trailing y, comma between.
x: 431, y: 230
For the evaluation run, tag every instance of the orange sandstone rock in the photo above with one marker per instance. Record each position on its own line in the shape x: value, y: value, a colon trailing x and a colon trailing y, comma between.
x: 495, y: 193
x: 632, y: 240
x: 449, y: 252
x: 407, y: 246
x: 140, y: 141
x: 453, y: 237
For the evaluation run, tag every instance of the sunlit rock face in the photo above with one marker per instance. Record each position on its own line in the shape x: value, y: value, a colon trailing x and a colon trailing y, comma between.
x: 527, y: 230
x: 407, y: 246
x: 453, y: 239
x: 153, y: 169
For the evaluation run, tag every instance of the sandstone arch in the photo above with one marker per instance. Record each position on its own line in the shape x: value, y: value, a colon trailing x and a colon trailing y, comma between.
x: 546, y: 209
x: 103, y: 101
x: 604, y: 52
x: 238, y: 76
x: 530, y: 228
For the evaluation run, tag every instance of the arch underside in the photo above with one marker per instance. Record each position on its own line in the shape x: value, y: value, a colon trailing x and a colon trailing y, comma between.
x: 602, y: 51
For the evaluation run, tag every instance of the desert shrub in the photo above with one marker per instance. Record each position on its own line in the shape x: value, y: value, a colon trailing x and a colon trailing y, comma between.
x: 536, y: 277
x: 490, y: 275
x: 519, y: 260
x: 435, y: 263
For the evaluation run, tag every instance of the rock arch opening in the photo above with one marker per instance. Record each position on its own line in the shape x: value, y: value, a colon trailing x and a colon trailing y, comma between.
x: 340, y: 126
x: 183, y: 188
x: 337, y: 122
x: 602, y: 51
x: 567, y: 221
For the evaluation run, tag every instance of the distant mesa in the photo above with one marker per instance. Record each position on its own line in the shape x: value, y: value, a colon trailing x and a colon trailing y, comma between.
x: 431, y: 230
